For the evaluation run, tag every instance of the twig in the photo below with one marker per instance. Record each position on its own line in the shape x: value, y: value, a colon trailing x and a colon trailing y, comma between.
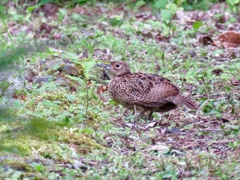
x: 87, y: 98
x: 202, y: 106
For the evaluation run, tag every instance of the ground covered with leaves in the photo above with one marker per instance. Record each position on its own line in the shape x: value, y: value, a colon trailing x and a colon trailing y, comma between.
x: 57, y: 120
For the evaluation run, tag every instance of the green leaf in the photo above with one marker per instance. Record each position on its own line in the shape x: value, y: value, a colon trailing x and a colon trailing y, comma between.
x: 88, y: 131
x: 115, y: 22
x: 78, y: 17
x: 168, y: 175
x: 81, y: 81
x: 95, y: 96
x: 7, y: 114
x: 62, y: 13
x: 232, y: 20
x: 197, y: 25
x: 71, y: 97
x: 30, y: 8
x: 112, y: 102
x: 70, y: 55
x: 179, y: 2
x: 233, y: 2
x: 140, y: 3
x: 45, y: 1
x: 159, y: 4
x: 91, y: 90
x: 87, y: 67
x: 82, y: 93
x: 173, y: 7
x: 224, y: 76
x: 2, y: 11
x: 80, y: 1
x: 166, y: 14
x: 7, y: 58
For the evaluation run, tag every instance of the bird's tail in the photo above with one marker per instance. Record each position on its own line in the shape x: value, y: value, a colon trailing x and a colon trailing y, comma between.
x: 179, y: 100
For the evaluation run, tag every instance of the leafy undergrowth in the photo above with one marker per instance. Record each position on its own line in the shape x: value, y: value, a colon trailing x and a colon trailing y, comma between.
x: 66, y: 127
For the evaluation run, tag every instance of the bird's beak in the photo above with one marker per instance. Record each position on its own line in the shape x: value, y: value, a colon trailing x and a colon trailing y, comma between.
x: 105, y: 66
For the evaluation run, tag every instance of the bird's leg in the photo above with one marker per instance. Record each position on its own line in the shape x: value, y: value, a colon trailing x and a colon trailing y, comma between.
x: 136, y: 118
x: 134, y: 110
x: 150, y: 115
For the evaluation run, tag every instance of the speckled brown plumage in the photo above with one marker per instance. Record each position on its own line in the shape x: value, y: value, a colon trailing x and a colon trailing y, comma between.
x: 144, y: 92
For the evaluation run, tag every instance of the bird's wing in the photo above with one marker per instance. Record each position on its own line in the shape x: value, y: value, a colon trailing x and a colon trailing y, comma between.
x: 136, y: 88
x: 150, y: 90
x: 161, y: 92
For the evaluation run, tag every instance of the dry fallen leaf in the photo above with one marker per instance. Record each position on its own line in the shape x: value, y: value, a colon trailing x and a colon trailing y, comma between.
x: 49, y: 9
x: 45, y: 28
x: 205, y: 40
x: 234, y: 27
x: 144, y: 16
x: 235, y: 82
x: 102, y: 89
x: 217, y: 72
x: 230, y: 39
x: 20, y: 96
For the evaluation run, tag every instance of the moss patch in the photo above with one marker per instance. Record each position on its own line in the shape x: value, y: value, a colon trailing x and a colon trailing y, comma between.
x: 17, y: 165
x: 41, y: 135
x: 16, y: 168
x: 3, y: 87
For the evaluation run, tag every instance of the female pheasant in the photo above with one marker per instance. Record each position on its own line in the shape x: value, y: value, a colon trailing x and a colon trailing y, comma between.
x: 144, y: 92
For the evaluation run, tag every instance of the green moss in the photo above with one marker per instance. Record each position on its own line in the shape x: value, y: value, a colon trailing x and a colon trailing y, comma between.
x: 83, y: 144
x: 39, y: 136
x: 3, y: 127
x: 4, y: 86
x: 45, y: 100
x: 11, y: 165
x: 59, y: 65
x: 32, y: 176
x: 17, y: 165
x: 13, y: 147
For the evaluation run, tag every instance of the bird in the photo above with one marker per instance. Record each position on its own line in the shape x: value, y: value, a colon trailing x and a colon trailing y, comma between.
x: 144, y: 92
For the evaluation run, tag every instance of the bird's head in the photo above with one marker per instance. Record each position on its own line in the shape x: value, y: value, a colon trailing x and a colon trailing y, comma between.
x: 118, y: 68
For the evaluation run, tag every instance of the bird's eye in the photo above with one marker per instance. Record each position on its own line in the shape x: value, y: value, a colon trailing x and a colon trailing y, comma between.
x: 117, y: 66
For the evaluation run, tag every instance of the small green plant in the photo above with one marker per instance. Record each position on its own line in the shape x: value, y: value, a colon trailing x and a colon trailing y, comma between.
x: 167, y: 10
x: 68, y: 3
x: 88, y: 92
x: 197, y: 4
x: 234, y: 6
x: 197, y: 25
x: 3, y: 87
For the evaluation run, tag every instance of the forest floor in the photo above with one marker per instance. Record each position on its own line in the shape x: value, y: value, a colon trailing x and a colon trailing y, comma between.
x: 57, y: 120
